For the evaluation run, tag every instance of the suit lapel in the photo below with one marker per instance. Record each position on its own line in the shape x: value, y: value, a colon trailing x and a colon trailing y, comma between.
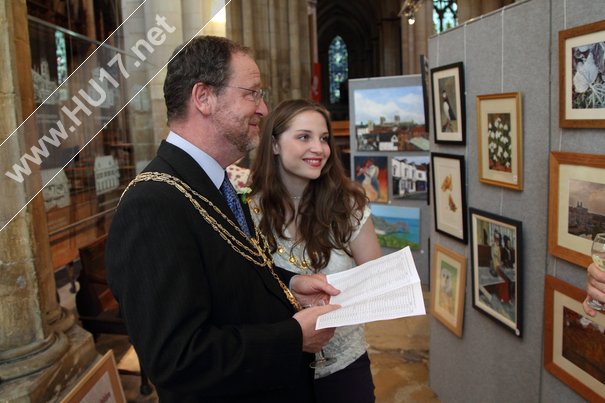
x: 188, y: 170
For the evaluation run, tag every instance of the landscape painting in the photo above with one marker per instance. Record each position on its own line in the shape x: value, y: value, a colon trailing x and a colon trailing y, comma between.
x: 388, y: 114
x: 586, y: 209
x: 396, y: 227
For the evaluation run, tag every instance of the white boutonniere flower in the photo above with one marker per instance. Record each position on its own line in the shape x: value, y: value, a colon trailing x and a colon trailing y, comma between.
x: 243, y: 193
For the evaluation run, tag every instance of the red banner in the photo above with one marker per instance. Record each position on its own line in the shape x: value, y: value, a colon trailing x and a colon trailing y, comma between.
x: 316, y: 83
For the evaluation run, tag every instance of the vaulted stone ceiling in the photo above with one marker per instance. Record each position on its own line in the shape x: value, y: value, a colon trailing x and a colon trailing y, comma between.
x: 368, y: 27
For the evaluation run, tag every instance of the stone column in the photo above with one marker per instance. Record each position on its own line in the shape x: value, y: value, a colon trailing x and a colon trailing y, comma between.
x: 469, y: 9
x: 41, y: 352
x: 414, y: 38
x: 277, y: 32
x: 173, y: 12
x: 312, y: 16
x: 300, y: 49
x: 390, y: 31
x: 234, y: 21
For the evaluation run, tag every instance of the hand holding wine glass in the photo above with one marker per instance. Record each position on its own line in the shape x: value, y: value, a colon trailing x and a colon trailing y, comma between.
x: 598, y: 257
x: 314, y: 340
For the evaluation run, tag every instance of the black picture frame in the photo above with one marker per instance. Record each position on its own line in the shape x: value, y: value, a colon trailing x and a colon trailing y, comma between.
x: 449, y: 104
x: 426, y: 79
x: 496, y: 270
x: 449, y: 195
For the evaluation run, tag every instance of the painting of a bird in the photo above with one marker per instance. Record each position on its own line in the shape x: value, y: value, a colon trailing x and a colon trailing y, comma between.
x: 448, y: 113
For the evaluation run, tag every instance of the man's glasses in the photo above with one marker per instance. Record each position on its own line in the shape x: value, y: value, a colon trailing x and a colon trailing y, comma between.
x: 257, y: 95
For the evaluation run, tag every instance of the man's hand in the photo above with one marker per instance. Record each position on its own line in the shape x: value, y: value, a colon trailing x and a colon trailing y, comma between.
x: 312, y: 290
x: 595, y: 287
x: 314, y: 340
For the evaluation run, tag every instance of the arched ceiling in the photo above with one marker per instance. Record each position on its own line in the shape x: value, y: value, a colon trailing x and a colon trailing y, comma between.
x: 355, y: 21
x: 360, y: 24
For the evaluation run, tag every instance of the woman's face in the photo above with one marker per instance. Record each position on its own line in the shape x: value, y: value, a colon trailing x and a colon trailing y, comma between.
x: 303, y: 148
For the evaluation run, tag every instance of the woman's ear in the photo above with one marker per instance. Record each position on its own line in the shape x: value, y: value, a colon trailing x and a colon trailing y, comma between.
x: 275, y: 146
x: 203, y: 97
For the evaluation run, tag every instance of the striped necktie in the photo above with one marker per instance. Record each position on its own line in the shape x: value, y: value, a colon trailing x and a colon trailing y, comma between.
x: 233, y: 202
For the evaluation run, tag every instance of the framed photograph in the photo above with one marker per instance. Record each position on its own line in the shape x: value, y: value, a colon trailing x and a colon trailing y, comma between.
x: 500, y: 139
x: 449, y: 192
x: 573, y: 341
x: 372, y: 173
x: 447, y: 296
x: 496, y: 267
x: 387, y: 114
x: 576, y: 209
x: 409, y: 177
x: 581, y: 76
x: 449, y: 105
x: 100, y: 384
x: 396, y: 227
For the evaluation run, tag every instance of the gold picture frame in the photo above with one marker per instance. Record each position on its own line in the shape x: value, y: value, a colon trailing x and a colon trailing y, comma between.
x: 101, y: 383
x: 570, y: 337
x: 500, y: 139
x: 448, y: 288
x: 576, y: 192
x: 580, y: 79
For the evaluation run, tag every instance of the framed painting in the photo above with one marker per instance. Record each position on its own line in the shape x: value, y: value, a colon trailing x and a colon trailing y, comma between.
x: 573, y: 340
x: 99, y: 384
x: 582, y: 77
x: 576, y: 211
x: 447, y: 296
x: 424, y: 75
x: 449, y: 105
x: 396, y: 227
x: 372, y: 173
x: 387, y: 114
x: 449, y: 193
x: 500, y: 140
x: 409, y: 177
x: 496, y: 268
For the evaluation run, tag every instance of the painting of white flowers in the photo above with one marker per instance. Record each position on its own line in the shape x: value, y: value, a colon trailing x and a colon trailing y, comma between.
x: 582, y: 76
x: 500, y: 139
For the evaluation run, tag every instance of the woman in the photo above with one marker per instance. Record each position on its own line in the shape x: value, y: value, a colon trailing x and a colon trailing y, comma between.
x: 316, y: 220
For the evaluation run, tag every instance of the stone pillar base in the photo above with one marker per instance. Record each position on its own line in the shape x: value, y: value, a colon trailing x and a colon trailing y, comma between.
x: 50, y: 383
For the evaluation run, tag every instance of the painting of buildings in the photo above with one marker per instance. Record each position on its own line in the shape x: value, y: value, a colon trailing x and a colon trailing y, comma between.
x: 390, y: 119
x: 410, y: 177
x: 586, y: 208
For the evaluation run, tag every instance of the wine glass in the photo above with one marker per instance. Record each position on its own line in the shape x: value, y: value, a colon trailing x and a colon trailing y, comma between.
x: 321, y: 360
x: 598, y: 257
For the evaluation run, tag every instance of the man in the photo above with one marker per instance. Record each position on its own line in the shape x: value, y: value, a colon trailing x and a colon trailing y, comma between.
x: 210, y: 318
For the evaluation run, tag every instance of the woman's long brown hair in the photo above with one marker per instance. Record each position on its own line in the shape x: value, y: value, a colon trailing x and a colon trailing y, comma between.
x: 331, y: 206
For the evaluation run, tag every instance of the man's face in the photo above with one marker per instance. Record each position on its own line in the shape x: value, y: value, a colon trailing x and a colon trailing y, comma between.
x: 238, y: 116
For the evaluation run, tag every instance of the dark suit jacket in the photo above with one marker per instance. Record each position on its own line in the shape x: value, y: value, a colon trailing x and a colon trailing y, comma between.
x: 207, y: 324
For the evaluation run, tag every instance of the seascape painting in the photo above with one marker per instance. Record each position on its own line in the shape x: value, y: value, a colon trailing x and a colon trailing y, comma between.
x: 396, y: 227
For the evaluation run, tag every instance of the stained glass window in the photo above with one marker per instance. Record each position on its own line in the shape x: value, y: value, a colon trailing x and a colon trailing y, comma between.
x: 61, y: 57
x: 445, y: 14
x: 338, y: 57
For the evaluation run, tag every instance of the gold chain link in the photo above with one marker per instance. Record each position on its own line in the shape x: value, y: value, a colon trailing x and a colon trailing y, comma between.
x: 260, y: 255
